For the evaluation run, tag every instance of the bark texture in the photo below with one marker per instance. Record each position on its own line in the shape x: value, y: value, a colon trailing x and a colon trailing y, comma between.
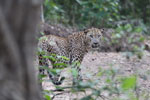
x: 18, y: 19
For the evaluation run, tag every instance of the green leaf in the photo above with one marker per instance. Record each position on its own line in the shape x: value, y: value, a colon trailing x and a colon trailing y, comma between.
x: 96, y: 92
x: 138, y: 30
x: 46, y: 2
x: 128, y: 27
x: 84, y: 84
x: 82, y: 2
x: 128, y: 83
x: 119, y: 28
x: 79, y: 2
x: 87, y: 98
x: 76, y: 64
x: 74, y: 72
x: 46, y: 91
x: 141, y: 39
x: 52, y: 71
x: 99, y: 74
x: 47, y: 97
x: 63, y: 57
x: 108, y: 81
x: 60, y: 64
x: 59, y: 88
x: 118, y: 35
x: 41, y: 76
x: 40, y: 52
x: 50, y: 57
x: 42, y: 33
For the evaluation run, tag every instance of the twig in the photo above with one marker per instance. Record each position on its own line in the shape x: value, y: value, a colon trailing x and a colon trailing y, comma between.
x: 60, y: 94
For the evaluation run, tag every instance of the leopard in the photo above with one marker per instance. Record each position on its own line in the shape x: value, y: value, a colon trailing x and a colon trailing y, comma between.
x: 74, y: 47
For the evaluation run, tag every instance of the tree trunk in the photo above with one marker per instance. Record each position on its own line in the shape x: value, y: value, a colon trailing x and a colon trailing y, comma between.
x: 18, y: 19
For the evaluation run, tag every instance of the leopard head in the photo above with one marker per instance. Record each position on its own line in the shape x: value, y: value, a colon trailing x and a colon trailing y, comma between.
x: 93, y: 38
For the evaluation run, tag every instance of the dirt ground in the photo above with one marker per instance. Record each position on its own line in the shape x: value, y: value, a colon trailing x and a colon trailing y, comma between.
x: 93, y: 61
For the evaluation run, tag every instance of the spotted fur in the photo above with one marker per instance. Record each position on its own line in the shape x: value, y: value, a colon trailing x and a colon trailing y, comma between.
x: 74, y: 47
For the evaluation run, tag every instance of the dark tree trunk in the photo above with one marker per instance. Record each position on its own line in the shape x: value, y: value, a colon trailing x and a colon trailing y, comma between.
x: 18, y: 19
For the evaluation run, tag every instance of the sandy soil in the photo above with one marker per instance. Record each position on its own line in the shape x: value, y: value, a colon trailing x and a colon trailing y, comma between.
x: 93, y: 61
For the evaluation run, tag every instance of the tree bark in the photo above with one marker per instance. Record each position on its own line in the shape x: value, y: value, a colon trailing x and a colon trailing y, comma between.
x: 18, y: 19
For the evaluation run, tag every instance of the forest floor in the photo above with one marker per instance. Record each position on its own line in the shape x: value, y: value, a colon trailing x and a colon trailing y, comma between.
x: 106, y: 60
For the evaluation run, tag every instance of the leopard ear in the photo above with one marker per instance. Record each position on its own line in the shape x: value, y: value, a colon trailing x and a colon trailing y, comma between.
x: 86, y: 31
x: 102, y: 30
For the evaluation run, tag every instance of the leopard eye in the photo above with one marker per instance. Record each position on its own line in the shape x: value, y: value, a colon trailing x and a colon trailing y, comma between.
x: 91, y: 36
x: 99, y: 35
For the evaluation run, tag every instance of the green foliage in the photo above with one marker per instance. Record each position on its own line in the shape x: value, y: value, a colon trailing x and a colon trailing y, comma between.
x: 129, y: 37
x: 47, y: 97
x: 82, y: 12
x: 128, y: 82
x: 113, y: 84
x: 87, y: 98
x: 98, y: 13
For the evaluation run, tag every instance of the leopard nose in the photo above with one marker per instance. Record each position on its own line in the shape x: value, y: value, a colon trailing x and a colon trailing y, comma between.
x: 95, y: 43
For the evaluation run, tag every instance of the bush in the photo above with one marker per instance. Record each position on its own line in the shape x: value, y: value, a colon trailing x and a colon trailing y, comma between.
x: 107, y: 85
